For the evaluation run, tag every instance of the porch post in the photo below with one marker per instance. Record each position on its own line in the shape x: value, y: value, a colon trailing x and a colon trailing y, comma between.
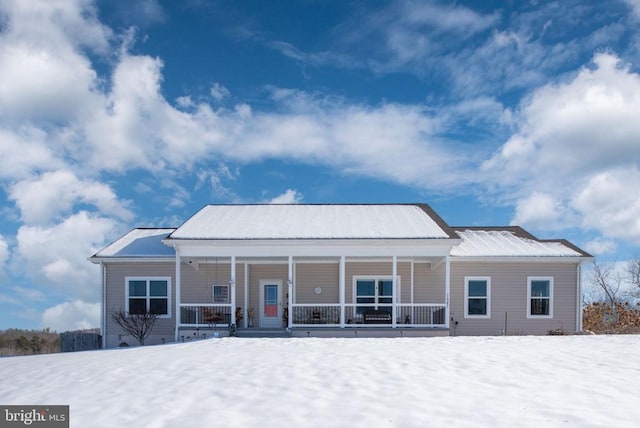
x: 341, y: 287
x: 232, y: 282
x: 447, y: 288
x: 394, y: 294
x: 413, y: 274
x: 246, y: 296
x: 178, y: 313
x: 290, y: 294
x: 103, y: 306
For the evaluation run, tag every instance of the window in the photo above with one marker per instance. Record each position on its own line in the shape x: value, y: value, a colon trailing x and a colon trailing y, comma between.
x: 148, y: 295
x: 220, y: 294
x: 539, y: 297
x: 477, y: 297
x: 376, y: 291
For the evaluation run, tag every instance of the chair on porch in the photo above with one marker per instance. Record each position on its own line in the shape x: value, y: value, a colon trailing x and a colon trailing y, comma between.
x: 212, y: 317
x: 376, y: 316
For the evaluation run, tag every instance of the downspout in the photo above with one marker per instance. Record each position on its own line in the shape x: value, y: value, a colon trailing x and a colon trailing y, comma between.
x: 394, y: 295
x: 341, y: 286
x: 233, y: 290
x: 447, y: 287
x: 579, y: 297
x: 103, y: 307
x: 290, y: 294
x: 178, y: 313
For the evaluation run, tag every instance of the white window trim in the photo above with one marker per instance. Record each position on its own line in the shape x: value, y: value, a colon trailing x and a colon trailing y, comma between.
x: 530, y: 279
x: 466, y: 296
x: 376, y: 278
x: 213, y: 294
x: 148, y: 279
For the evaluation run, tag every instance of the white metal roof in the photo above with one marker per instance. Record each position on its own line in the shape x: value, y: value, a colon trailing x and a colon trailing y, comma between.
x: 139, y: 243
x: 310, y: 222
x: 506, y: 243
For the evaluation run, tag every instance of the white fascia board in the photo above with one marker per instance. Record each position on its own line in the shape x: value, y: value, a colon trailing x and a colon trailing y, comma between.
x: 314, y: 247
x: 522, y: 259
x: 98, y: 260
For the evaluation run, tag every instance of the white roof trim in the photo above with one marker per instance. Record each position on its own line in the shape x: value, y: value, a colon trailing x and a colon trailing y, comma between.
x: 521, y: 259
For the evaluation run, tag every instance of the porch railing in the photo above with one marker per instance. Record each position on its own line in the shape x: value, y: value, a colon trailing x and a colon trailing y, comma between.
x: 356, y: 315
x: 306, y: 314
x: 205, y: 314
x: 325, y: 314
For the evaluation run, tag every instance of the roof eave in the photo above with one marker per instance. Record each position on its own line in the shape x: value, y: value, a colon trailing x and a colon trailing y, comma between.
x: 114, y: 259
x: 314, y: 247
x: 525, y: 259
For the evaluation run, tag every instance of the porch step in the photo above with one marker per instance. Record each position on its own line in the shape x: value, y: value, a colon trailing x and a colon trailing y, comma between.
x: 262, y: 332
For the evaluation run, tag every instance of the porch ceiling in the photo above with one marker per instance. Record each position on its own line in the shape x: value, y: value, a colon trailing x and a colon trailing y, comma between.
x: 195, y: 261
x: 314, y: 248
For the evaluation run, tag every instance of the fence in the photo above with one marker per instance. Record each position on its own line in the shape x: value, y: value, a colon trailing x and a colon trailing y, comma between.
x: 71, y: 341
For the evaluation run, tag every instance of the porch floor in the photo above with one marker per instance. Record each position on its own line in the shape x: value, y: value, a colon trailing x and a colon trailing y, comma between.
x: 263, y: 332
x: 257, y: 332
x: 368, y: 332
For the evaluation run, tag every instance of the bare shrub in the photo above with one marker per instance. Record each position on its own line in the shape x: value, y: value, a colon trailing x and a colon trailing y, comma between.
x: 137, y: 325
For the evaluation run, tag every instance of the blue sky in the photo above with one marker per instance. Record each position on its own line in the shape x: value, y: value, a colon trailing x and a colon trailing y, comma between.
x: 117, y: 114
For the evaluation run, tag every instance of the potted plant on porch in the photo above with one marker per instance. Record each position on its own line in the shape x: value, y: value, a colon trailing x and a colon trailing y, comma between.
x: 250, y: 315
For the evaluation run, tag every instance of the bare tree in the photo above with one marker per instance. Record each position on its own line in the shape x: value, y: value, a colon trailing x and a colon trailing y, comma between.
x: 137, y: 325
x: 605, y: 278
x: 633, y: 270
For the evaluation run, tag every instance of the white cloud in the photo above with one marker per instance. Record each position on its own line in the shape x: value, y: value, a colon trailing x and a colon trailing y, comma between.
x: 391, y: 141
x: 4, y: 255
x: 540, y: 211
x: 412, y: 31
x: 184, y: 102
x: 129, y: 124
x: 580, y: 126
x: 4, y: 250
x: 219, y: 92
x: 45, y: 197
x: 57, y: 255
x: 24, y: 150
x: 290, y: 196
x: 577, y: 142
x: 137, y: 127
x: 74, y: 315
x: 41, y: 61
x: 610, y: 203
x: 635, y: 6
x: 600, y: 246
x: 29, y: 294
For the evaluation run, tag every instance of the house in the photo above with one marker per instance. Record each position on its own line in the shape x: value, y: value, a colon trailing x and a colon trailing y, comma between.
x: 346, y: 270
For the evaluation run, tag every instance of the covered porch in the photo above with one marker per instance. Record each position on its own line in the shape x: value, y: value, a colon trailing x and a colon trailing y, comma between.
x: 318, y: 295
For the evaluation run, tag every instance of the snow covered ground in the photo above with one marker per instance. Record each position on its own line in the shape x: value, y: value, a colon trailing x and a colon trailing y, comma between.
x: 574, y: 381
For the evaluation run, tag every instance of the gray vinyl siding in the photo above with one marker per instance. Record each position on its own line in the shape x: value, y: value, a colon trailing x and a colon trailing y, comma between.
x: 312, y: 275
x: 429, y: 286
x: 115, y: 299
x: 508, y: 290
x: 196, y: 285
x: 509, y: 295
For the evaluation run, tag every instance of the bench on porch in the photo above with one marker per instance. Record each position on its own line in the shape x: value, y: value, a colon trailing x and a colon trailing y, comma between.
x: 376, y: 317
